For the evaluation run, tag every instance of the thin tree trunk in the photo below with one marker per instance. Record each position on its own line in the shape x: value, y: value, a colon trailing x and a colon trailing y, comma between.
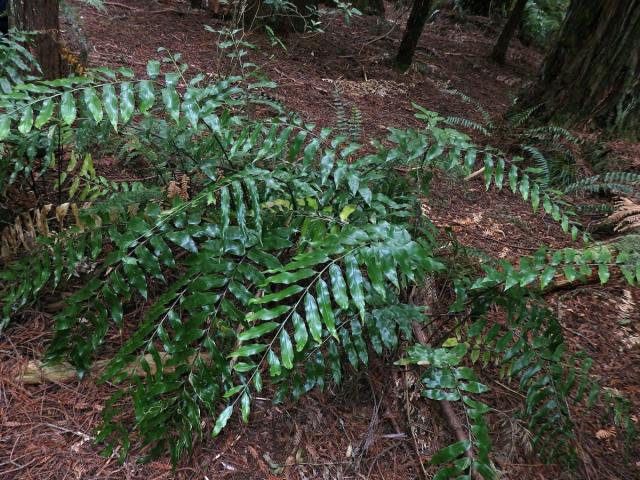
x: 4, y: 17
x: 591, y: 78
x: 415, y: 24
x: 499, y: 53
x: 40, y: 16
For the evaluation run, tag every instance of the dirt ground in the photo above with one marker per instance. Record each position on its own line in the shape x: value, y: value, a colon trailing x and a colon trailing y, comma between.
x: 372, y: 426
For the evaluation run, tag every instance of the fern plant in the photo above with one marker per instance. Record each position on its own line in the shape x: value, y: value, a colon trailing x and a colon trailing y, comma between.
x: 551, y: 149
x: 542, y: 20
x: 622, y: 216
x: 349, y: 118
x: 614, y: 183
x: 283, y: 262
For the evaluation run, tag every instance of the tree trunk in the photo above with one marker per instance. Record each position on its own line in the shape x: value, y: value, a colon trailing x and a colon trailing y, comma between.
x: 40, y: 16
x: 591, y: 78
x: 4, y: 17
x: 370, y: 7
x: 415, y: 24
x: 499, y: 53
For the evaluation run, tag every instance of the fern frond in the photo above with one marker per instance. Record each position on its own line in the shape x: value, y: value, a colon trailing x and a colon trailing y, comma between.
x: 521, y: 118
x: 486, y: 117
x: 340, y: 107
x: 550, y: 132
x: 466, y: 123
x: 16, y: 61
x: 612, y: 182
x: 355, y: 124
x: 599, y: 208
x: 541, y: 162
x: 262, y: 98
x: 625, y: 217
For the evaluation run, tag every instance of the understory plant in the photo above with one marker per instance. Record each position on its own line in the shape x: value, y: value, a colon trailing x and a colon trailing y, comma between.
x: 268, y: 257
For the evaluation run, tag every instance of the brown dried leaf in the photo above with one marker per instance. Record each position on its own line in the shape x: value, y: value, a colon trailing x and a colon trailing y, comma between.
x: 61, y: 213
x: 606, y: 434
x: 173, y: 190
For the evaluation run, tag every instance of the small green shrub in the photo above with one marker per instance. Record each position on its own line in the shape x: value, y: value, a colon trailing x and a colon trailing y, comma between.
x: 542, y: 20
x: 280, y: 261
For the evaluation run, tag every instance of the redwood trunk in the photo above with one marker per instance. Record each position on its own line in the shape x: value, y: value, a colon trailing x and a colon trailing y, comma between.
x: 415, y: 24
x: 502, y: 45
x: 40, y: 16
x: 591, y: 78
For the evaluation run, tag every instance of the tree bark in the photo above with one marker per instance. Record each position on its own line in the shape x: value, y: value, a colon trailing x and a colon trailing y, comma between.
x: 591, y: 78
x: 415, y: 24
x: 40, y: 16
x: 4, y: 17
x: 499, y: 53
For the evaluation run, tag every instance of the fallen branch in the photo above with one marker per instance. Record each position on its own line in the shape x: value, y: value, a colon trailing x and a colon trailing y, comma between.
x: 145, y: 12
x: 36, y: 372
x: 562, y: 283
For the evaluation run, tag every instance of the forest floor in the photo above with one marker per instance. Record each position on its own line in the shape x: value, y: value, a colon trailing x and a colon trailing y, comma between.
x: 346, y: 432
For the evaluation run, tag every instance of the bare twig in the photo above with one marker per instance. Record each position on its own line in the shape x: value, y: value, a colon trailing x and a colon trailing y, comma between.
x: 122, y: 5
x: 82, y: 435
x: 506, y: 244
x: 474, y: 174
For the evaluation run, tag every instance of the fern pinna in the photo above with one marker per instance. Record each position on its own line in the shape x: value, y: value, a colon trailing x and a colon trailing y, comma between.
x: 284, y: 266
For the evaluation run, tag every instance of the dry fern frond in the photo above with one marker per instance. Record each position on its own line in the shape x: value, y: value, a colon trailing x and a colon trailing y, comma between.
x: 173, y: 190
x: 29, y: 225
x: 626, y: 307
x: 72, y: 60
x: 606, y: 433
x: 179, y: 188
x: 515, y: 438
x: 184, y: 187
x: 626, y: 216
